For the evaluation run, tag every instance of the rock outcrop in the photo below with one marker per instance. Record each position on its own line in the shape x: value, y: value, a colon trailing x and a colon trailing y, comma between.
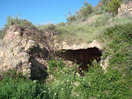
x: 79, y: 45
x: 82, y: 53
x: 28, y: 50
x: 25, y: 51
x: 125, y: 9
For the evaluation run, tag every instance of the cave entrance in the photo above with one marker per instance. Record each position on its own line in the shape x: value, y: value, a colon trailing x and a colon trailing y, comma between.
x: 83, y: 57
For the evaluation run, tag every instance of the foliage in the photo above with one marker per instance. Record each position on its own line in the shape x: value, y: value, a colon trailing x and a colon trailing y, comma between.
x: 102, y: 20
x: 97, y: 84
x: 71, y: 18
x: 89, y: 30
x: 2, y: 33
x: 50, y: 28
x: 85, y: 11
x: 14, y: 86
x: 112, y: 6
x: 104, y: 1
x: 16, y: 21
x: 74, y: 32
x: 61, y: 24
x: 121, y: 38
x: 67, y: 83
x: 128, y: 0
x: 54, y: 64
x: 82, y: 14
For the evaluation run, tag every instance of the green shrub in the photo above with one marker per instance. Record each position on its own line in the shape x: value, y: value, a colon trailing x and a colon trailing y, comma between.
x: 2, y: 33
x: 119, y: 47
x: 55, y: 64
x: 104, y: 1
x: 82, y: 14
x: 14, y: 86
x: 102, y: 20
x: 50, y: 28
x: 21, y: 22
x: 87, y: 10
x: 71, y: 18
x: 112, y: 6
x: 17, y: 21
x: 61, y: 24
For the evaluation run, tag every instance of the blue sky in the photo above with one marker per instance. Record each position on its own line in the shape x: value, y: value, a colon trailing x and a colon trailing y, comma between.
x: 40, y: 11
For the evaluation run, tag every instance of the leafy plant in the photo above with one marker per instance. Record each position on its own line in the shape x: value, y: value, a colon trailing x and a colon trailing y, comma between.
x: 82, y: 14
x: 15, y: 86
x: 112, y: 6
x: 55, y: 64
x: 85, y: 11
x: 16, y: 21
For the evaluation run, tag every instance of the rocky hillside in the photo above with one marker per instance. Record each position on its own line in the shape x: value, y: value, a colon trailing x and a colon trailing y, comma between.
x: 25, y: 51
x: 89, y: 57
x: 125, y: 9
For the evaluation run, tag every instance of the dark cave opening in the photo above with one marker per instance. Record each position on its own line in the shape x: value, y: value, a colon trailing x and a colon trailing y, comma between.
x: 83, y: 57
x: 38, y: 69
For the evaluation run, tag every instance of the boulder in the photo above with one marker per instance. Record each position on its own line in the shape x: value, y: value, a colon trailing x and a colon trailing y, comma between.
x: 125, y: 9
x: 25, y: 51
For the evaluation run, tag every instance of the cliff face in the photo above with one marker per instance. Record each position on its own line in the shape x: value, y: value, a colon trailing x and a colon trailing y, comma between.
x: 25, y: 51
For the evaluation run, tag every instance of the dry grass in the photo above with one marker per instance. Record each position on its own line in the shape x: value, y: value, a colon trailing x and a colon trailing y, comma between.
x: 88, y: 32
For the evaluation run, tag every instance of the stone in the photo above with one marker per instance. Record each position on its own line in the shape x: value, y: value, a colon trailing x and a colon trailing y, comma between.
x: 20, y: 48
x: 30, y: 44
x: 17, y: 50
x: 16, y: 64
x: 104, y: 63
x: 125, y: 9
x: 1, y: 43
x: 24, y: 55
x: 81, y: 45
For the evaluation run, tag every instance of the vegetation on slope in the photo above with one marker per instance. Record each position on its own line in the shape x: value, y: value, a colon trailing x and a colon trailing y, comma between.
x: 63, y: 81
x: 17, y: 21
x: 88, y: 31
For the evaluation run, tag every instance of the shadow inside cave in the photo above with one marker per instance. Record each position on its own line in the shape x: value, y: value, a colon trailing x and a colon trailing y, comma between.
x: 38, y: 69
x: 83, y: 57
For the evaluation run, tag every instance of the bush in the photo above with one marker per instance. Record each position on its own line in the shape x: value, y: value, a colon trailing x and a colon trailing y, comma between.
x: 16, y: 21
x: 104, y: 1
x: 82, y: 14
x: 112, y: 6
x: 2, y: 33
x: 14, y: 86
x: 101, y: 20
x: 61, y: 24
x: 71, y: 19
x: 55, y: 64
x: 119, y: 47
x: 87, y: 10
x: 50, y: 28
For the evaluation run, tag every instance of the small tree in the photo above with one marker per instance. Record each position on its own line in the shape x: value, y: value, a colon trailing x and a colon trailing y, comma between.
x: 86, y: 10
x: 71, y: 18
x: 112, y: 6
x: 105, y: 1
